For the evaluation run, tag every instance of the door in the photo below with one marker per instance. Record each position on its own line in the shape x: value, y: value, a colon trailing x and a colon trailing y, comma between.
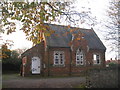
x: 35, y: 65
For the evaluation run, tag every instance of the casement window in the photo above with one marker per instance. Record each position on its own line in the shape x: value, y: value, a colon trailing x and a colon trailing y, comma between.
x: 59, y: 58
x: 79, y: 57
x: 96, y: 58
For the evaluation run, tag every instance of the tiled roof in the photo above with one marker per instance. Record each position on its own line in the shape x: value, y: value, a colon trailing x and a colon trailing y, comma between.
x: 59, y: 40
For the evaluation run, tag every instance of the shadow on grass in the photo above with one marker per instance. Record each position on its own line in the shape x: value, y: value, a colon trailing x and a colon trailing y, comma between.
x: 10, y: 75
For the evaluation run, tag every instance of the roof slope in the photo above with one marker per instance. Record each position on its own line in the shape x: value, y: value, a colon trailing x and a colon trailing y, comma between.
x: 59, y: 40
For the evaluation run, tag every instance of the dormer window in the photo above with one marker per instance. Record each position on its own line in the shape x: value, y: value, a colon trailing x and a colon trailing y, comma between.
x: 79, y: 57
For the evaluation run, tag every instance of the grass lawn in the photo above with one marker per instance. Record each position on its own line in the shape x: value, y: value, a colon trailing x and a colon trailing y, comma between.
x: 80, y: 86
x: 15, y: 80
x: 11, y: 76
x: 16, y: 75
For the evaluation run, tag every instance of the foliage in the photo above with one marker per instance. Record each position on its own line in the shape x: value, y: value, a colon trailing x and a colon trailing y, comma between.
x: 5, y: 52
x: 10, y: 60
x: 113, y: 65
x: 33, y: 15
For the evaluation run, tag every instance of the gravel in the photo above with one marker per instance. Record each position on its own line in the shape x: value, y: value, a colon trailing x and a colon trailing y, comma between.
x: 65, y: 82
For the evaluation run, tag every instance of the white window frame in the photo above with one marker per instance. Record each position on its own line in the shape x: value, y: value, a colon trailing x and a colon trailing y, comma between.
x: 59, y: 58
x: 79, y: 54
x: 96, y: 57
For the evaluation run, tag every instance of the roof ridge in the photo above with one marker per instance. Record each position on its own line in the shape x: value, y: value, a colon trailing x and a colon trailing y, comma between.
x: 70, y: 26
x: 99, y: 39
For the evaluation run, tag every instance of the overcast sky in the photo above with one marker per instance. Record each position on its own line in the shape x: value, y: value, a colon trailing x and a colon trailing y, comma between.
x: 98, y: 9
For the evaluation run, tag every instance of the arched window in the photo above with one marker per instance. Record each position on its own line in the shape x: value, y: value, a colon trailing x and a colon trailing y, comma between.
x: 79, y: 57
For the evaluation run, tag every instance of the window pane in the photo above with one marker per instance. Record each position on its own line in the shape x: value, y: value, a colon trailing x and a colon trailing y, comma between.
x: 81, y: 58
x: 59, y: 57
x: 78, y: 62
x: 56, y: 62
x: 56, y: 57
x: 97, y: 61
x: 81, y: 62
x: 97, y: 56
x: 60, y: 53
x: 56, y: 54
x: 61, y: 62
x: 77, y: 53
x: 94, y: 56
x: 77, y: 58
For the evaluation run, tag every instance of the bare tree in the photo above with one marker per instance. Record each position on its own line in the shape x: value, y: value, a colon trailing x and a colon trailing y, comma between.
x: 112, y: 25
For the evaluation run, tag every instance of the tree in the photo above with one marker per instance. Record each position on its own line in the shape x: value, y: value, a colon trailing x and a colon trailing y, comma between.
x: 20, y: 51
x: 113, y: 25
x: 10, y: 60
x: 14, y: 54
x: 6, y: 53
x: 15, y: 60
x: 33, y: 15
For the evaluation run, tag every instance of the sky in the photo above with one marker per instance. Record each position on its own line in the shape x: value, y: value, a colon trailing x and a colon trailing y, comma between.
x: 98, y: 9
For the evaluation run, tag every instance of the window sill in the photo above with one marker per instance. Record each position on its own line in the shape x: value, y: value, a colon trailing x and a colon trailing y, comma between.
x: 96, y: 64
x: 80, y: 65
x: 59, y: 65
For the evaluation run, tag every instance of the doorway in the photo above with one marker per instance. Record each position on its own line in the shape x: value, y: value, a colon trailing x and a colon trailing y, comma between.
x: 36, y: 65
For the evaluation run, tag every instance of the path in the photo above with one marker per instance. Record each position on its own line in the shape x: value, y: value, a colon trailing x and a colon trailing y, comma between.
x: 65, y: 82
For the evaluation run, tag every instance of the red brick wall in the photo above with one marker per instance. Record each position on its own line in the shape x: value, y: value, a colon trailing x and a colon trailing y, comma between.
x: 47, y: 59
x: 37, y: 51
x: 70, y: 57
x: 52, y: 69
x: 102, y: 57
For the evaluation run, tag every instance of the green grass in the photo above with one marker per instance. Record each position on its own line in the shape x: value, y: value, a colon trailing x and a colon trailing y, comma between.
x: 45, y: 77
x: 3, y: 86
x: 11, y: 76
x: 8, y: 76
x: 16, y: 75
x: 80, y: 86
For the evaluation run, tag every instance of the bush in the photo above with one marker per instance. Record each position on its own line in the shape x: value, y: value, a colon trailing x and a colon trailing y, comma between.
x: 112, y: 65
x: 11, y: 65
x: 104, y: 78
x: 10, y: 60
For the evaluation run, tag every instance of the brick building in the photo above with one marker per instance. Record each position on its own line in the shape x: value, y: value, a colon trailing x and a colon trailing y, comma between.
x: 111, y: 61
x: 68, y: 51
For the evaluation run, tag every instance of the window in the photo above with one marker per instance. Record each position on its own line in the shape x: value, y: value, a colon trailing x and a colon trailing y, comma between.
x: 79, y: 57
x: 58, y: 58
x: 96, y: 58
